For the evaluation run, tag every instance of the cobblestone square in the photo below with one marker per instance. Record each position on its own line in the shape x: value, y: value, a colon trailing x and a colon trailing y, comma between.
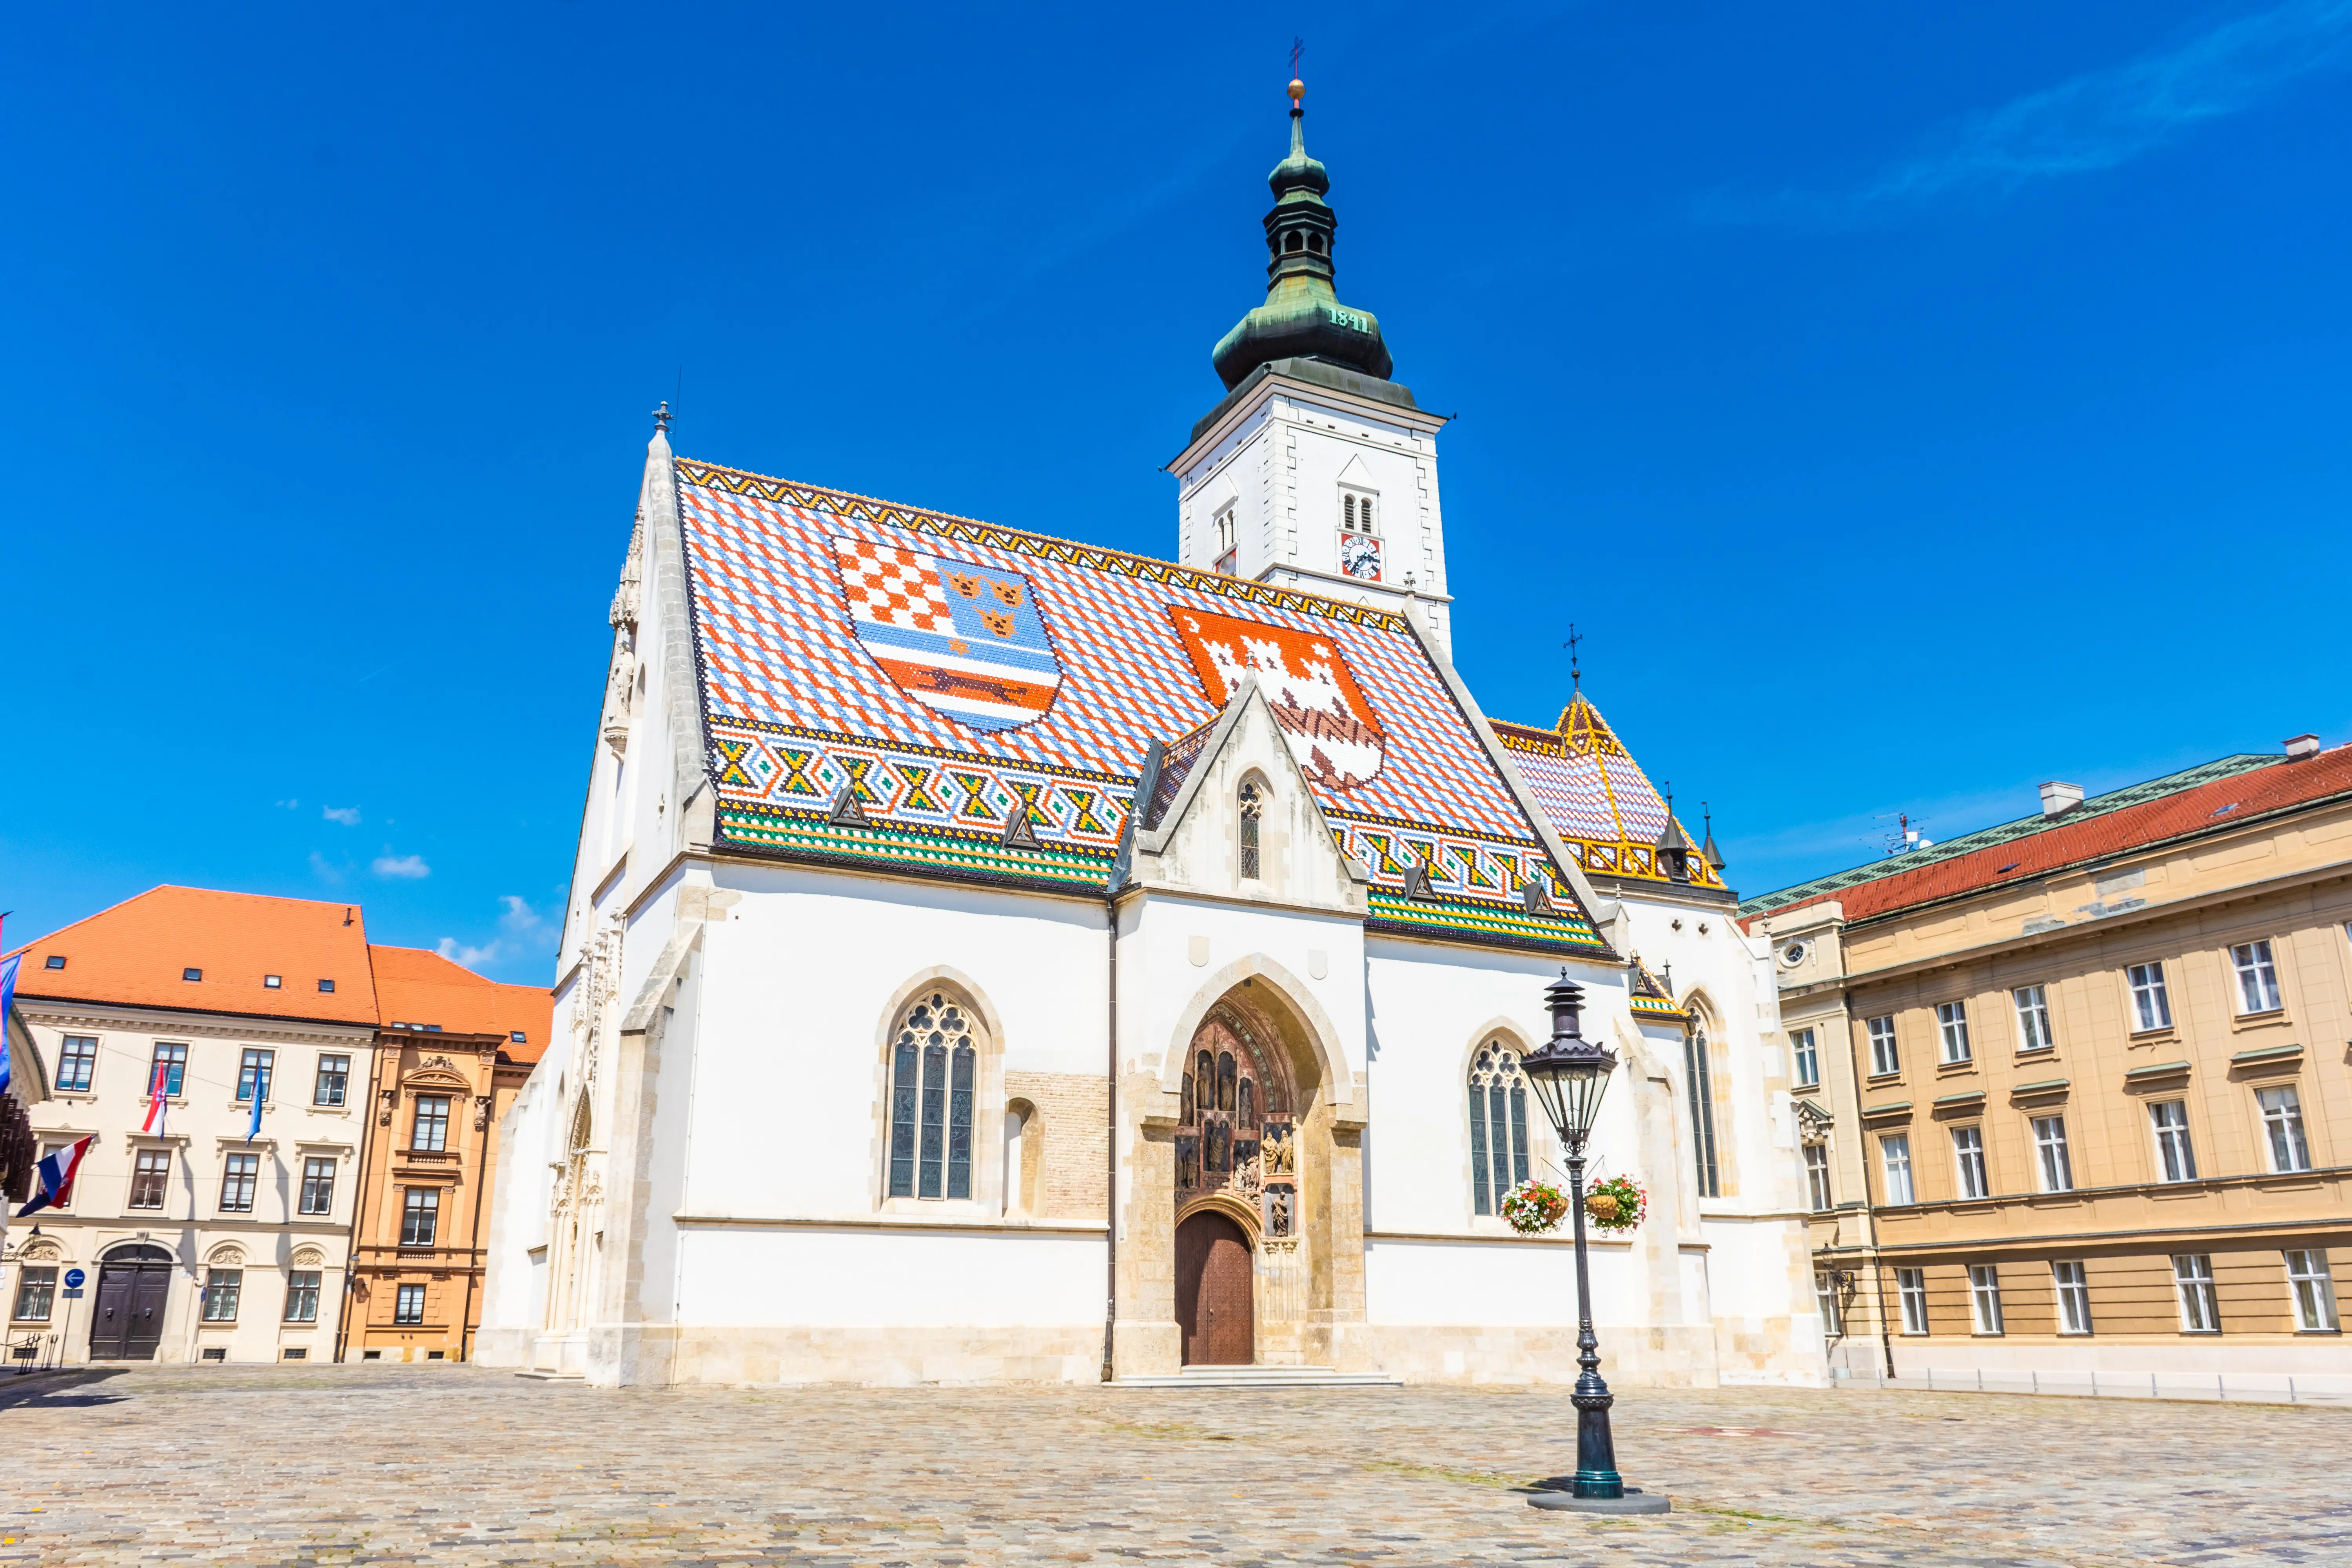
x: 462, y: 1466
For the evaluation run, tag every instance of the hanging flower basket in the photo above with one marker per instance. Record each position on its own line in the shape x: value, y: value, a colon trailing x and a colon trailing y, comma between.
x: 1615, y: 1204
x: 1535, y: 1207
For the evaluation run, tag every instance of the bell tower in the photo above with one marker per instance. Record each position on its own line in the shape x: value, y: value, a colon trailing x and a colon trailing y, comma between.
x: 1317, y: 470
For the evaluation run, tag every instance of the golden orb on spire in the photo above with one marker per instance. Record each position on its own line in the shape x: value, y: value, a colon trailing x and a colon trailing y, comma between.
x: 1298, y: 90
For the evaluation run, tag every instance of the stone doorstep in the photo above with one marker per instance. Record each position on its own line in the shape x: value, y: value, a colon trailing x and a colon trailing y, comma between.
x: 1262, y: 1377
x: 537, y: 1376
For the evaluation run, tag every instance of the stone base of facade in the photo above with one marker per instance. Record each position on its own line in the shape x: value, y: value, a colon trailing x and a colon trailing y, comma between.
x: 899, y: 1357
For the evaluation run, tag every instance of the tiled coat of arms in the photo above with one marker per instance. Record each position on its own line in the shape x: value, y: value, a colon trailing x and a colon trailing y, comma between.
x: 1331, y: 729
x: 965, y: 640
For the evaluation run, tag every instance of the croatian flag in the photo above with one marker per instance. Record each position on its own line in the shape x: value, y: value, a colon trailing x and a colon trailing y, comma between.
x: 158, y: 1108
x: 56, y: 1174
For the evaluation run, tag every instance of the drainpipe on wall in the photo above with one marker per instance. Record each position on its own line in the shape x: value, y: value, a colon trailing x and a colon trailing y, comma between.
x: 359, y: 1198
x: 1110, y: 1142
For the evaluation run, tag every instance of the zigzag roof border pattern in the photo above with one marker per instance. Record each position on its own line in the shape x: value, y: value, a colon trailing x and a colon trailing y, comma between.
x: 848, y: 503
x: 2003, y: 833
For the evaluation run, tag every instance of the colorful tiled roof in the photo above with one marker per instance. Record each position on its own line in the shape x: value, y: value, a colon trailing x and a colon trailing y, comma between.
x: 422, y: 990
x: 949, y: 673
x: 2212, y: 797
x: 1600, y: 801
x: 139, y: 954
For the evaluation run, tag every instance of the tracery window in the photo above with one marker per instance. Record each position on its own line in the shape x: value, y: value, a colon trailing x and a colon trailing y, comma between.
x: 1253, y: 809
x: 1698, y: 1069
x: 1498, y: 1126
x: 932, y: 1064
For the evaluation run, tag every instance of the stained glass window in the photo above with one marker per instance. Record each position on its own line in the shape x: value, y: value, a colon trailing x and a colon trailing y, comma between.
x: 933, y: 1067
x: 1498, y: 1127
x: 1253, y: 808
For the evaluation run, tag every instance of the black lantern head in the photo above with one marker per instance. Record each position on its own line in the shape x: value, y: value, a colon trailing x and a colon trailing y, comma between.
x: 1569, y: 1073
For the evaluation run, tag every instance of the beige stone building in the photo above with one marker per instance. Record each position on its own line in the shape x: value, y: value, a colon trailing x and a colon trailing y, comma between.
x: 2076, y: 1088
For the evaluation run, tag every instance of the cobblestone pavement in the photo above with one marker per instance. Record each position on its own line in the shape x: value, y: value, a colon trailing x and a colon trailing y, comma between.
x: 462, y: 1466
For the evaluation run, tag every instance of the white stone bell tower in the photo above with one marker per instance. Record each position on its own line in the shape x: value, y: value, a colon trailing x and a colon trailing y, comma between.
x: 1317, y: 471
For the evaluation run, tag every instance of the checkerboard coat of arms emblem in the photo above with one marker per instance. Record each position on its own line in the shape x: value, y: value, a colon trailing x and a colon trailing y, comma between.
x: 1331, y: 728
x: 964, y: 640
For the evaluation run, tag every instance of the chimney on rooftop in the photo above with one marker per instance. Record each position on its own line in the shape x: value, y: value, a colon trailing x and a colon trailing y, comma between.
x: 2298, y: 747
x: 2058, y: 799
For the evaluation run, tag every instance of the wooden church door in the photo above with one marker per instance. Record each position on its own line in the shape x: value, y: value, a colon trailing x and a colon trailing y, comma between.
x: 1213, y: 1306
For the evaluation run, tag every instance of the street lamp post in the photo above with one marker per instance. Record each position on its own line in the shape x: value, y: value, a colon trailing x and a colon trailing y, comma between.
x: 1569, y: 1075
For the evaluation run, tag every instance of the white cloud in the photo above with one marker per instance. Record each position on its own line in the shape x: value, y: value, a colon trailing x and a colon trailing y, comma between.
x: 408, y: 867
x: 2099, y: 120
x: 290, y: 805
x: 325, y: 869
x: 523, y: 933
x: 349, y: 816
x: 2105, y: 118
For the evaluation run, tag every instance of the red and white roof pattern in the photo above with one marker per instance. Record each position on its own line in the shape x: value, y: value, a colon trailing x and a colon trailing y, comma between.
x: 778, y: 647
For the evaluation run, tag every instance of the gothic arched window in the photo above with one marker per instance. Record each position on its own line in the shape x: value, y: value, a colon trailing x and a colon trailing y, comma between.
x: 933, y: 1063
x: 1252, y: 808
x: 1498, y: 1126
x: 1698, y: 1074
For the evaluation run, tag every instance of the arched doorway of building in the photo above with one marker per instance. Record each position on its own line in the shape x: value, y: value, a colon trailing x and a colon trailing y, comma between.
x: 134, y: 1285
x: 1214, y: 1307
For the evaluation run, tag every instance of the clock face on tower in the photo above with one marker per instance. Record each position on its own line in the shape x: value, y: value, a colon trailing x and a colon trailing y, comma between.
x: 1359, y: 556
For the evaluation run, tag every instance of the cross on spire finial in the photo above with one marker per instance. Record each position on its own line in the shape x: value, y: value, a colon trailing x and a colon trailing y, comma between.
x: 662, y: 417
x: 1575, y: 673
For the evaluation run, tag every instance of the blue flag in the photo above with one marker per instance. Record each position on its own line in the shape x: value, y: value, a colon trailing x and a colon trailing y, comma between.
x: 7, y: 999
x: 260, y: 1093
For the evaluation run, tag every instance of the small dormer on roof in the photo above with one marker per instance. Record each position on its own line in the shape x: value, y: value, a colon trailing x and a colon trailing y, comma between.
x: 1604, y: 807
x: 1650, y: 1000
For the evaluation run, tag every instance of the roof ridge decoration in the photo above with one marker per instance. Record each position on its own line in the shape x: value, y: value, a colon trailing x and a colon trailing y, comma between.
x: 808, y: 725
x: 2009, y: 832
x: 1605, y: 808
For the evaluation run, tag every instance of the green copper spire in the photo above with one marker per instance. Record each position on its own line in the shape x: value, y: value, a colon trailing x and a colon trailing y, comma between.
x: 1302, y: 317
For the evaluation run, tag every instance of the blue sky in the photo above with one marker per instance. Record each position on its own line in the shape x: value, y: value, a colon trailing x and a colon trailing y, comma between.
x: 1908, y: 403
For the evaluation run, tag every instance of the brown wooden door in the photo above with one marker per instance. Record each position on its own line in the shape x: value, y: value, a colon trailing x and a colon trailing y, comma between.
x: 1214, y: 1310
x: 127, y: 1322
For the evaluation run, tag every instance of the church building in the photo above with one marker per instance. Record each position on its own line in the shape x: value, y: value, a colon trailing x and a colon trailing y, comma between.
x: 996, y: 958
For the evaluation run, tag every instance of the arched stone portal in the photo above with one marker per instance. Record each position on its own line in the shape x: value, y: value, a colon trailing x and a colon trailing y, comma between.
x: 1253, y: 1152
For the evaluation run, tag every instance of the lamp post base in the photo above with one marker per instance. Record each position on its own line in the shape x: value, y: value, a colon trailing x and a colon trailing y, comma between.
x: 1635, y: 1500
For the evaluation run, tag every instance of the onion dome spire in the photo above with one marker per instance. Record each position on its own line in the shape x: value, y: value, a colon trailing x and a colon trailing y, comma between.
x: 1302, y: 316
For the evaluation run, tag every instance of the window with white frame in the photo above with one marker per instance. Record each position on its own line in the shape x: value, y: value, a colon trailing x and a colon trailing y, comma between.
x: 1894, y: 1164
x: 2073, y: 1286
x: 408, y: 1306
x: 2282, y: 1122
x: 1228, y: 548
x: 222, y: 1289
x: 1968, y: 1161
x: 1817, y: 1177
x: 1911, y: 1291
x: 2258, y: 990
x: 1809, y: 1059
x: 239, y: 1173
x: 2151, y: 1007
x: 1360, y: 544
x: 302, y: 1296
x: 1952, y: 1029
x: 2033, y: 1019
x: 1984, y: 1297
x: 253, y: 1075
x: 1883, y: 1058
x: 2050, y: 1154
x: 1825, y: 1292
x: 2314, y: 1290
x: 420, y: 1217
x: 2192, y: 1277
x: 2174, y: 1156
x: 76, y: 1063
x: 36, y: 1294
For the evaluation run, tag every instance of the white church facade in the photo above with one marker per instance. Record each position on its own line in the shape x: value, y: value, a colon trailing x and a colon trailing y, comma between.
x: 992, y: 958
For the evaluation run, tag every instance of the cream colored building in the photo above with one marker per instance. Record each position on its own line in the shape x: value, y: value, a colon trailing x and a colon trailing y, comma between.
x: 2076, y: 1088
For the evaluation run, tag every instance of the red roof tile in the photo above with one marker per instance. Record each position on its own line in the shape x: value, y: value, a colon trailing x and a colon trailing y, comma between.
x: 2210, y: 807
x: 138, y: 954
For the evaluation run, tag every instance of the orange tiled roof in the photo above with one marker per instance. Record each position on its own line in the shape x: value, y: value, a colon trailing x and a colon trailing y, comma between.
x: 416, y: 987
x: 137, y: 954
x: 2213, y: 807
